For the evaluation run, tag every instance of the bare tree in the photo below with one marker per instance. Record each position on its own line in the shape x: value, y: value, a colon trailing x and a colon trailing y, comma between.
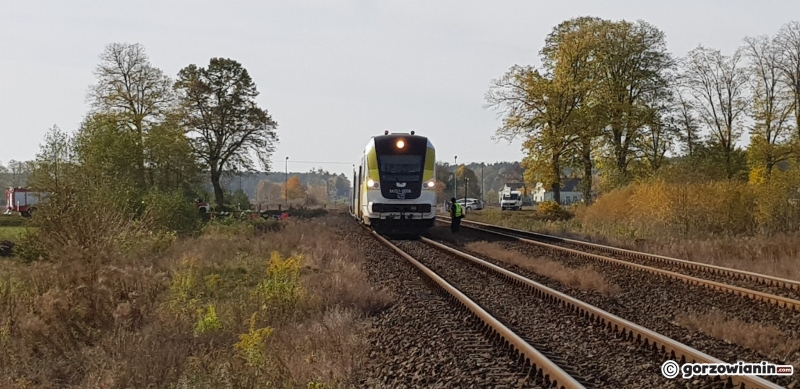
x: 718, y: 85
x: 132, y: 89
x: 772, y: 103
x: 658, y: 138
x: 19, y: 171
x: 788, y: 40
x: 685, y: 122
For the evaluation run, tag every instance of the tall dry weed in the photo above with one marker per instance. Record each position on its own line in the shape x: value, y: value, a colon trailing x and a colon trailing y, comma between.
x: 755, y: 336
x: 174, y: 319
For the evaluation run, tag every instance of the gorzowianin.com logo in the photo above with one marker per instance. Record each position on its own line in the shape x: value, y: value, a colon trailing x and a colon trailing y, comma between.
x: 672, y: 369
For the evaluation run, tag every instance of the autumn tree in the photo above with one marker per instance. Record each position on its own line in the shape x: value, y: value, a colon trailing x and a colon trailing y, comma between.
x: 515, y: 172
x: 222, y: 119
x: 444, y: 173
x: 473, y: 190
x: 132, y: 91
x: 540, y: 110
x: 772, y: 104
x: 570, y: 48
x: 718, y: 85
x: 294, y: 188
x: 632, y: 64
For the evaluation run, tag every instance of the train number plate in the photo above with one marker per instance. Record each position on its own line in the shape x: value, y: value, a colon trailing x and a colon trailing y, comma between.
x: 401, y: 193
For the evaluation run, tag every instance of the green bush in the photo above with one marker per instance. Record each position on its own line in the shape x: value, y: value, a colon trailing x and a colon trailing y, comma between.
x: 29, y: 247
x: 172, y: 212
x: 551, y: 209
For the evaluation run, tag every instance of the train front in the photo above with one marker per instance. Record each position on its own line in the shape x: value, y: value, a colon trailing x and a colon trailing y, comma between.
x: 405, y: 199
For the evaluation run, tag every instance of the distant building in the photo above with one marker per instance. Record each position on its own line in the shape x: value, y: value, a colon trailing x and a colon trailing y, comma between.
x: 570, y: 194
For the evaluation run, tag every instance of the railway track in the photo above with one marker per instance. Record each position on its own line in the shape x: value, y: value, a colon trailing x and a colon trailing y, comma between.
x: 772, y: 290
x: 537, y: 366
x: 573, y: 312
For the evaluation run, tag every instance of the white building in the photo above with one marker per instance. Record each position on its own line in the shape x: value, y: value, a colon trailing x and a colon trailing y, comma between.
x: 570, y: 194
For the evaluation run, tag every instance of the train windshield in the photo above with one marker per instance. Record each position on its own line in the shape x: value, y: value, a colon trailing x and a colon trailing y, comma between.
x: 400, y: 168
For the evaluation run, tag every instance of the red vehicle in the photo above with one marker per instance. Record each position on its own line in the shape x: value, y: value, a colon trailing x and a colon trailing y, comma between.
x: 202, y: 206
x: 22, y: 201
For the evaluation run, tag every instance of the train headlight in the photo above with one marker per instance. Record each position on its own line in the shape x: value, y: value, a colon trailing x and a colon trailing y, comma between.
x: 372, y: 184
x: 401, y: 144
x: 429, y: 184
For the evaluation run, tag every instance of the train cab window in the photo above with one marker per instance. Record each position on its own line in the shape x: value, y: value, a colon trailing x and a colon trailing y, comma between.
x: 403, y: 168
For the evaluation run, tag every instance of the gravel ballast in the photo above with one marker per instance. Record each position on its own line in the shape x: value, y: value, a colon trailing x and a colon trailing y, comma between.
x: 424, y: 340
x: 650, y: 300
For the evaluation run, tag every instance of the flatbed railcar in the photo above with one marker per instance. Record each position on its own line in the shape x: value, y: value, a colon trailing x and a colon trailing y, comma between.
x: 394, y: 191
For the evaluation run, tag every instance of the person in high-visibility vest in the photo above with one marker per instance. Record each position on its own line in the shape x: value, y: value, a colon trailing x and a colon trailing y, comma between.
x: 456, y: 213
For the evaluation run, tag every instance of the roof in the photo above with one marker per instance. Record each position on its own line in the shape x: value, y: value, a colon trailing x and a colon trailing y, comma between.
x: 571, y: 185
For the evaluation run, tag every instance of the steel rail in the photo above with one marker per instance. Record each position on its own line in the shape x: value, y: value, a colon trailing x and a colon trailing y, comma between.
x: 725, y: 271
x: 780, y: 301
x: 552, y: 374
x: 628, y: 329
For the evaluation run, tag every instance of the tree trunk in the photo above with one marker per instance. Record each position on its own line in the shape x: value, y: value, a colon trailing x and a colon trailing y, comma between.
x: 218, y: 194
x: 728, y: 167
x: 556, y: 185
x: 142, y: 176
x: 622, y: 167
x: 770, y: 164
x: 586, y: 183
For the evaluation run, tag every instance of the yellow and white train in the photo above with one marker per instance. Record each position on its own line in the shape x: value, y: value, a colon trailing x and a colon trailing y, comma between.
x: 394, y: 191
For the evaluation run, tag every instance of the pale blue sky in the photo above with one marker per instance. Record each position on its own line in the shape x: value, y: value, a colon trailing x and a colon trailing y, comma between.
x: 331, y: 73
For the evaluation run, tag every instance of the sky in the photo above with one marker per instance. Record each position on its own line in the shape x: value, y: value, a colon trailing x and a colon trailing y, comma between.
x: 331, y: 73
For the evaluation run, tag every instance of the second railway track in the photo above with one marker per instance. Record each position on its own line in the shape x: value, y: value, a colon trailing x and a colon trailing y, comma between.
x: 760, y: 287
x: 600, y: 349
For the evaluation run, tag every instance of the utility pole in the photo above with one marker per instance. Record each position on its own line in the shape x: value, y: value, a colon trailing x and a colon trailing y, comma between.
x: 455, y: 178
x: 466, y: 188
x: 483, y: 194
x: 286, y: 183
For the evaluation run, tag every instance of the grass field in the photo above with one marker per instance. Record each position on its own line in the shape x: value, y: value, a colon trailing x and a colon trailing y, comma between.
x: 11, y: 233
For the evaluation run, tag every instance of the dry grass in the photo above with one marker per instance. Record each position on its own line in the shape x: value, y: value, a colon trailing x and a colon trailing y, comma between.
x: 738, y: 225
x: 280, y: 309
x: 766, y: 339
x: 584, y: 278
x: 776, y: 255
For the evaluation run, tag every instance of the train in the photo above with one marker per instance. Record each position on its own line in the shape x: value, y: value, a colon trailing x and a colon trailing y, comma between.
x: 394, y: 190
